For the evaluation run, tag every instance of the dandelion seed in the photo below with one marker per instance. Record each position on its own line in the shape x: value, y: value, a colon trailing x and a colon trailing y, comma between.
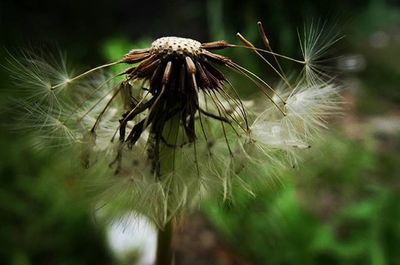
x: 316, y: 39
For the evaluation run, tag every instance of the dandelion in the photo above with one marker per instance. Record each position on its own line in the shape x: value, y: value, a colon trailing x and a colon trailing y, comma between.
x: 171, y: 128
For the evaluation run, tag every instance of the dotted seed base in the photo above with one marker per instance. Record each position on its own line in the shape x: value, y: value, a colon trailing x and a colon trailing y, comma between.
x: 177, y: 46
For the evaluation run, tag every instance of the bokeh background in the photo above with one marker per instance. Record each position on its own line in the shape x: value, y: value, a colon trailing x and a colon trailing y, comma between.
x: 341, y: 206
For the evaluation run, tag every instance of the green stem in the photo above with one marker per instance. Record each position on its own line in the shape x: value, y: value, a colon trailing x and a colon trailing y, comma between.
x: 164, y: 252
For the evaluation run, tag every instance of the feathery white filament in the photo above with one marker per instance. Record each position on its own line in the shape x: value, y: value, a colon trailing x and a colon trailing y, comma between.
x: 306, y: 109
x: 315, y: 41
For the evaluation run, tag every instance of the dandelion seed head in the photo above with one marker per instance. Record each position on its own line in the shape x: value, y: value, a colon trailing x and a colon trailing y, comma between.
x: 174, y: 130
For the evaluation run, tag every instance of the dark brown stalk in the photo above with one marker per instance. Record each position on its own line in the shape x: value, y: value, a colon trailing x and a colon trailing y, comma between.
x: 164, y: 254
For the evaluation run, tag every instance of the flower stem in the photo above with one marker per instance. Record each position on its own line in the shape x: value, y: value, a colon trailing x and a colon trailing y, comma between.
x: 164, y: 252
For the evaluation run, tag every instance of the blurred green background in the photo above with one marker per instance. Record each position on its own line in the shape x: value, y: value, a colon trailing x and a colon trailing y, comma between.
x: 341, y: 206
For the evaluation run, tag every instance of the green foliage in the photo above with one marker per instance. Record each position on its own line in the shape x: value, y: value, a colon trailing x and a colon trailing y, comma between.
x: 338, y: 209
x: 43, y: 217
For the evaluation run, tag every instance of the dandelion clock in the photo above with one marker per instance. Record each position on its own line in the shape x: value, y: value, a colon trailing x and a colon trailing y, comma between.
x: 171, y: 129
